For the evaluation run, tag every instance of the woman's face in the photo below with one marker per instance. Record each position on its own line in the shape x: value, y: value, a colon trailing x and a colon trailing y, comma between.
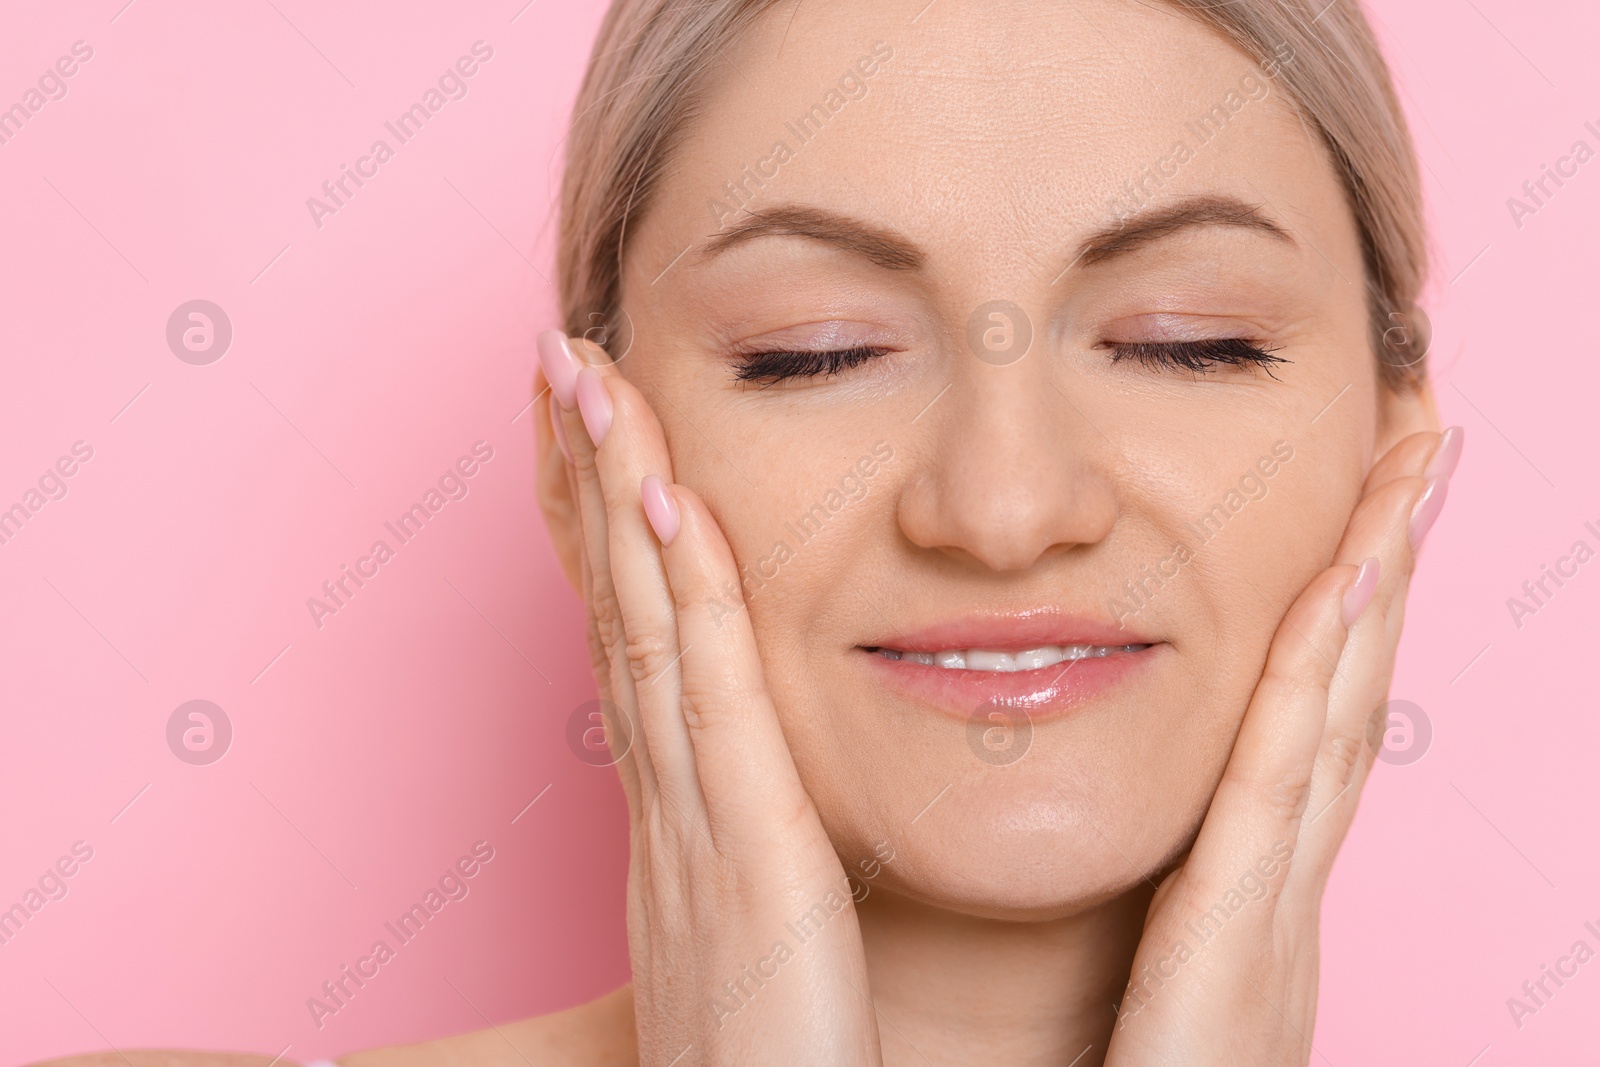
x: 992, y: 207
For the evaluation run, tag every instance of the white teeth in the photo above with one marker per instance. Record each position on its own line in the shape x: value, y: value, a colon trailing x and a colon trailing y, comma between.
x: 982, y: 659
x: 1034, y: 658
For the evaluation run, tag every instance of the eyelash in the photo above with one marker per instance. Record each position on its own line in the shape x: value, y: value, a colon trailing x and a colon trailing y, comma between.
x: 770, y: 368
x: 1198, y: 356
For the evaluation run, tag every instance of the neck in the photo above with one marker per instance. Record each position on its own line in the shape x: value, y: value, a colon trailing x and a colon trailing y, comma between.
x: 952, y: 988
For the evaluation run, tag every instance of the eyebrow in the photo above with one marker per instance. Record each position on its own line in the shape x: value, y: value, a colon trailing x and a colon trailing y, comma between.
x: 894, y: 252
x: 1145, y: 227
x: 883, y: 247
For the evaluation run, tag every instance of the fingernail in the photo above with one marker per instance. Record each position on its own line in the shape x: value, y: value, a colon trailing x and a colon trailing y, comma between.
x: 1447, y: 455
x: 594, y: 404
x: 1359, y: 595
x: 561, y: 431
x: 659, y: 508
x: 1429, y: 504
x: 560, y: 365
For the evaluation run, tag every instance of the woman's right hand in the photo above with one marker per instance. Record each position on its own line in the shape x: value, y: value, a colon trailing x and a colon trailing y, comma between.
x: 741, y: 926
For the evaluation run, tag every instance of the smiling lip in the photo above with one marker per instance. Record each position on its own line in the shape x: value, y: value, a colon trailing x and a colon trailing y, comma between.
x: 1042, y: 692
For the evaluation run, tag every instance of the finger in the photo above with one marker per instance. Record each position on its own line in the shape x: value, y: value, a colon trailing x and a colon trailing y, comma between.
x: 1378, y: 528
x: 1404, y: 493
x: 550, y: 435
x: 1429, y: 454
x: 632, y: 446
x: 1253, y: 823
x: 754, y: 799
x: 1385, y: 524
x: 607, y: 653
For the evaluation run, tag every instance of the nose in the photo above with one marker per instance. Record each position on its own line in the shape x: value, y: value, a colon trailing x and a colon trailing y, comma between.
x: 1011, y: 470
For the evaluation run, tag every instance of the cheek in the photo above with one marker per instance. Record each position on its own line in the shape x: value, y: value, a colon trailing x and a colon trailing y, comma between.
x: 1253, y: 555
x: 1227, y: 538
x: 791, y: 509
x: 802, y: 537
x: 784, y: 482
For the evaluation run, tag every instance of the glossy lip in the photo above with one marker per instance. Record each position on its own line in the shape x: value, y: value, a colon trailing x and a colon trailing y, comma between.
x: 1042, y: 693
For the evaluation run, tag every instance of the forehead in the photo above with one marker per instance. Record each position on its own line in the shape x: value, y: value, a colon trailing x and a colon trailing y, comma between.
x: 972, y: 128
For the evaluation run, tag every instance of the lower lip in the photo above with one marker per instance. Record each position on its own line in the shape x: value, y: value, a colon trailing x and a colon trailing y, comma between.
x: 1042, y: 693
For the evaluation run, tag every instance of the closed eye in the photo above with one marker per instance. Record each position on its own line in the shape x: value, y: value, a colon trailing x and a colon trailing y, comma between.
x: 770, y: 368
x: 1197, y: 356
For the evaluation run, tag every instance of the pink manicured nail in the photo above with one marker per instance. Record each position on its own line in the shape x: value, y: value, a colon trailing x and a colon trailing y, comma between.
x: 659, y: 508
x: 594, y: 404
x: 1429, y: 504
x: 560, y: 364
x: 561, y: 431
x: 1443, y: 463
x: 1359, y: 595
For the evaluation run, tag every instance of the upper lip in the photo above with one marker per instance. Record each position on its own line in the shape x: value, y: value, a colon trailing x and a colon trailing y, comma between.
x: 1010, y: 631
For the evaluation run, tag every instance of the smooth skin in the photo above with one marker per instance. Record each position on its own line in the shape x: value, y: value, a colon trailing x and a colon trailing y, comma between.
x: 709, y: 739
x: 768, y: 759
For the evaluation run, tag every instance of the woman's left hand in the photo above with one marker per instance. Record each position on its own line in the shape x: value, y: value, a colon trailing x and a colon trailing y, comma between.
x: 1226, y: 971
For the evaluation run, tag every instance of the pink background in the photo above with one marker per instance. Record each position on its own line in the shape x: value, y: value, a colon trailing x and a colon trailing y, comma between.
x: 368, y: 354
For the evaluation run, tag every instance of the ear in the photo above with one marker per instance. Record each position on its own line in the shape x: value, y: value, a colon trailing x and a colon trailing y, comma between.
x: 555, y: 488
x: 1403, y: 411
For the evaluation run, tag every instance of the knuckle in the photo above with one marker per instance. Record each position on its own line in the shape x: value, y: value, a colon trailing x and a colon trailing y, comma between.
x: 722, y: 611
x: 1377, y: 734
x: 649, y: 652
x: 1342, y: 753
x: 690, y: 595
x: 711, y: 699
x: 585, y: 460
x: 599, y: 657
x: 608, y: 622
x: 619, y: 511
x: 1283, y: 796
x: 1286, y: 797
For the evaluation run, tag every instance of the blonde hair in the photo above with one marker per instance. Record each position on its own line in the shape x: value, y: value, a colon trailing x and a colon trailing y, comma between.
x: 649, y: 64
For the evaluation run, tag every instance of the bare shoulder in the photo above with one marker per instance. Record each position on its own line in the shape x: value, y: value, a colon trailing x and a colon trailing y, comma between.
x: 597, y: 1034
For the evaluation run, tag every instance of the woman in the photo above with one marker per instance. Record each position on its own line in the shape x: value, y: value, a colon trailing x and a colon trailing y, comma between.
x: 995, y: 490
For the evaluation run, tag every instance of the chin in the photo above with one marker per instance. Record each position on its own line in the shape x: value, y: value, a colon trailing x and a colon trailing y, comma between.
x: 1027, y: 813
x: 1030, y: 844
